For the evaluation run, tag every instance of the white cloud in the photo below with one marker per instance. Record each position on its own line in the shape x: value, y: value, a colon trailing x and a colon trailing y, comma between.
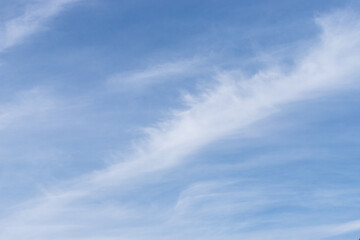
x: 237, y: 102
x: 37, y: 13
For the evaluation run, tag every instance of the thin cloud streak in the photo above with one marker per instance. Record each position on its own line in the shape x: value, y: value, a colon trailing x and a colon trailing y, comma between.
x: 153, y: 75
x: 14, y: 31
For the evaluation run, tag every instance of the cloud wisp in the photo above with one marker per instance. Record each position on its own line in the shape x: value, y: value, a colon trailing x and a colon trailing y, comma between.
x: 233, y: 103
x: 155, y: 75
x: 16, y: 30
x: 27, y: 105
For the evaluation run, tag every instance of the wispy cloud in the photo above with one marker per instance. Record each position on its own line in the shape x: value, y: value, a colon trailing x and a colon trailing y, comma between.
x: 36, y: 14
x: 220, y: 204
x: 156, y: 74
x: 233, y: 103
x: 236, y: 102
x: 26, y: 105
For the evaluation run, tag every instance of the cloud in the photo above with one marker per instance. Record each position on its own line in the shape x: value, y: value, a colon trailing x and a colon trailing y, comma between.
x: 26, y: 105
x: 156, y: 74
x: 37, y: 13
x: 235, y: 102
x: 249, y: 204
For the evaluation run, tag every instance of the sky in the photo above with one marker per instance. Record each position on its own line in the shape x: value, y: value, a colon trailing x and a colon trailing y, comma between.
x: 172, y: 120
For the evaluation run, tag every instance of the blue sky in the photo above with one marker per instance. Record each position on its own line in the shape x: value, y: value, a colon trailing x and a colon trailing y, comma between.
x: 151, y: 120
